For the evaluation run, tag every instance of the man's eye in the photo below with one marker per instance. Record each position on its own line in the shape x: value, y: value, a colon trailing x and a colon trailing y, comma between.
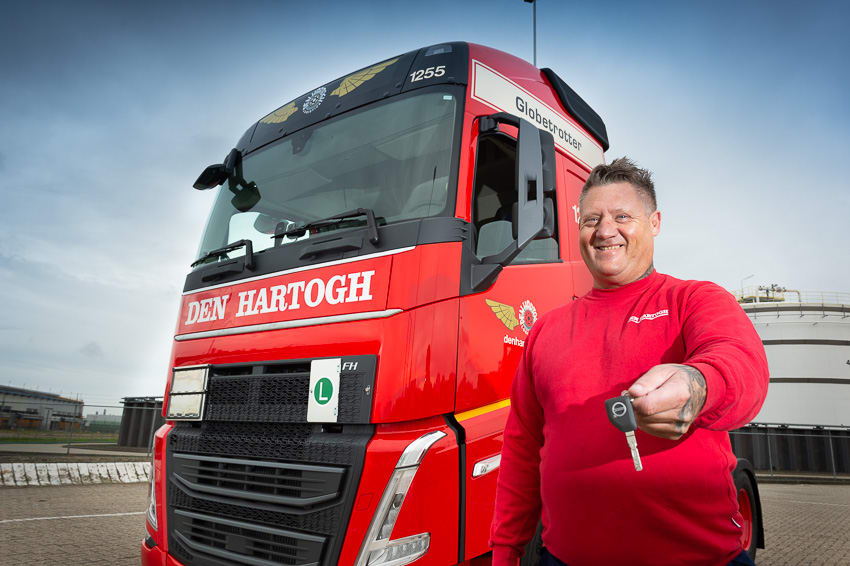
x: 622, y: 217
x: 591, y: 221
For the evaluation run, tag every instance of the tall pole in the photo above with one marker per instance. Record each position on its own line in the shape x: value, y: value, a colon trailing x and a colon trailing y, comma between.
x: 534, y: 29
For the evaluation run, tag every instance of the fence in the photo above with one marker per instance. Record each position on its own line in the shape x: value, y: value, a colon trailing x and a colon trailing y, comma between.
x: 778, y: 294
x: 140, y: 417
x: 802, y: 449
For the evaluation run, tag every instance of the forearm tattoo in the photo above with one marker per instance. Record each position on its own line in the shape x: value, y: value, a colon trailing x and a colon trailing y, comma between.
x: 696, y: 400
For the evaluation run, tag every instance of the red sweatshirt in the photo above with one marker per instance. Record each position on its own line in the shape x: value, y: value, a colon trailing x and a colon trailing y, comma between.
x: 561, y: 450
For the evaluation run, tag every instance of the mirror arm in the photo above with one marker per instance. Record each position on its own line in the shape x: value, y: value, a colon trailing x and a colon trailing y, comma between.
x: 249, y: 254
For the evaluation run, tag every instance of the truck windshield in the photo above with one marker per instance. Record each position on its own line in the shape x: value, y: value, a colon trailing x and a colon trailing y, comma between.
x: 393, y: 158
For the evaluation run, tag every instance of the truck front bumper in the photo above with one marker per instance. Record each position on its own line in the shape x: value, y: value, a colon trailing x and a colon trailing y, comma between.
x: 152, y: 555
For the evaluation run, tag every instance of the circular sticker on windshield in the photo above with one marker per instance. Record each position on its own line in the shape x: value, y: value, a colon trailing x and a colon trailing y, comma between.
x: 314, y: 99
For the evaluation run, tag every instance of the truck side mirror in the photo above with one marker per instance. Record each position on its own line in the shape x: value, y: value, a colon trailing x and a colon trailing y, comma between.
x: 214, y: 175
x: 535, y: 174
x: 529, y: 171
x: 548, y: 219
x: 547, y: 150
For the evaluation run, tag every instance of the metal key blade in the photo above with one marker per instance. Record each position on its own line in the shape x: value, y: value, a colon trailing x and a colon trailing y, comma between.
x: 622, y: 416
x: 630, y: 438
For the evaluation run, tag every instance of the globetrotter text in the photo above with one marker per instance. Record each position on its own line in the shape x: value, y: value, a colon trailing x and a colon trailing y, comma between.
x: 347, y: 288
x: 542, y: 122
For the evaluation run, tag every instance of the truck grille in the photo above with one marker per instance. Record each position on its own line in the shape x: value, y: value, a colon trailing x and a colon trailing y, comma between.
x: 275, y: 491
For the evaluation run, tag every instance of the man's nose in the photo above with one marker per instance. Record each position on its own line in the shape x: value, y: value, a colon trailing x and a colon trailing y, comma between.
x: 607, y: 228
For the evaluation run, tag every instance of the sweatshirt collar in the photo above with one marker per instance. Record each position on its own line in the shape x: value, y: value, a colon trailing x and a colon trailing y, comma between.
x: 628, y: 290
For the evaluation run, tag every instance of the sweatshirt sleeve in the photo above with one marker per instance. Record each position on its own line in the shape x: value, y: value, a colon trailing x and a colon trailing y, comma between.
x: 517, y: 510
x: 721, y: 342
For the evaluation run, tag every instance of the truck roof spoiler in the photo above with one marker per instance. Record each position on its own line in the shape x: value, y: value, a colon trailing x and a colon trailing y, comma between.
x: 578, y: 108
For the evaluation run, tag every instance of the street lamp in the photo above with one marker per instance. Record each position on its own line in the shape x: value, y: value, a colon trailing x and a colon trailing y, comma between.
x: 534, y: 32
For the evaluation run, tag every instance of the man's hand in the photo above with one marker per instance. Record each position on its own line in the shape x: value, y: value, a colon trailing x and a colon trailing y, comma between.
x: 667, y: 399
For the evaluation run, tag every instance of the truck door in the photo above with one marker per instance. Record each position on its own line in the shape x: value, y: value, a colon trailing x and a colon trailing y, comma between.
x: 573, y: 177
x: 494, y: 323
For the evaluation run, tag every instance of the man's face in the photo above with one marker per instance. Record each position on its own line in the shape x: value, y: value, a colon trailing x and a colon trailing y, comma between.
x: 616, y: 234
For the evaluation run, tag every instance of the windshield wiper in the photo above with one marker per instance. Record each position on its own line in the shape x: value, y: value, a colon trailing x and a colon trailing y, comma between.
x: 298, y: 231
x: 249, y: 253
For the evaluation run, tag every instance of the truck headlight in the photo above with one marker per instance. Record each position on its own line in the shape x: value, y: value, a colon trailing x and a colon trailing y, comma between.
x: 377, y: 547
x: 151, y: 514
x: 187, y: 394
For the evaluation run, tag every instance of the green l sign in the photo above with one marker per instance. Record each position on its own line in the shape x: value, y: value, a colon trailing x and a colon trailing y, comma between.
x: 323, y: 391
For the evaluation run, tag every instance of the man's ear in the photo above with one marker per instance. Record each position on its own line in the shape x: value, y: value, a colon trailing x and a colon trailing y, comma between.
x: 655, y: 222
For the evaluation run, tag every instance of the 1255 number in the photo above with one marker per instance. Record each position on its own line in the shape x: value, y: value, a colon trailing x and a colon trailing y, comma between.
x: 437, y: 71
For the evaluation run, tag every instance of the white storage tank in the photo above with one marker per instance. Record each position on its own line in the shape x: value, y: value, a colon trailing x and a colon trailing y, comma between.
x: 807, y: 339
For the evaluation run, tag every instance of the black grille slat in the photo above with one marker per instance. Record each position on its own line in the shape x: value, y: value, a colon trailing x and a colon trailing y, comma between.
x: 245, y: 484
x: 255, y: 478
x: 324, y: 521
x: 243, y: 475
x: 223, y: 540
x: 213, y: 536
x: 244, y: 480
x: 291, y: 367
x: 281, y: 442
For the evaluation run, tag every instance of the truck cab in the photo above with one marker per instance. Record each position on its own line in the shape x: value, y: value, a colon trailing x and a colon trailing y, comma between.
x: 377, y: 252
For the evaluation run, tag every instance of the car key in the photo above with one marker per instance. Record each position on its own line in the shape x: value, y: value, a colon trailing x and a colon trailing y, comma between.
x: 620, y: 413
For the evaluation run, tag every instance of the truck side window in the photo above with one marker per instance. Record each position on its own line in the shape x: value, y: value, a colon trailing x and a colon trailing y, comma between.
x: 494, y: 196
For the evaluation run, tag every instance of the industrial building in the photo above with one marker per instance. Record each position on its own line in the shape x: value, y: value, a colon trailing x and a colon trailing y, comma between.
x: 31, y: 409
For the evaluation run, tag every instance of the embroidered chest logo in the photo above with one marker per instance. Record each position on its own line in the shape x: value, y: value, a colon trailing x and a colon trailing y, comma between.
x: 648, y: 316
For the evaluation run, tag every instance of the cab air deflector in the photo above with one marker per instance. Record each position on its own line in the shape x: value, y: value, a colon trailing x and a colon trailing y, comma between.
x: 578, y: 108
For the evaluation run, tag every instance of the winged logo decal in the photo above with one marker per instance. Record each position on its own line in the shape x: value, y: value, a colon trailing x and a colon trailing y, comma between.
x: 281, y: 114
x: 505, y: 313
x: 354, y: 80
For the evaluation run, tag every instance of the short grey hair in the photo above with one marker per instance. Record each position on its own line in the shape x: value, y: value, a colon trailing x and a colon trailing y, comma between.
x: 623, y: 170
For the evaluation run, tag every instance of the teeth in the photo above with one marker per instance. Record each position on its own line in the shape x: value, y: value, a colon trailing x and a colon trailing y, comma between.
x: 605, y: 248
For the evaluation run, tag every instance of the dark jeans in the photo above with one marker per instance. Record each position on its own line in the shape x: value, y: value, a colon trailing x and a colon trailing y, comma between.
x: 547, y: 559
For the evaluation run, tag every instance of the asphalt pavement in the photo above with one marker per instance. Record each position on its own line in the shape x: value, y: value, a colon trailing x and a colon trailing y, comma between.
x: 104, y: 524
x: 92, y: 525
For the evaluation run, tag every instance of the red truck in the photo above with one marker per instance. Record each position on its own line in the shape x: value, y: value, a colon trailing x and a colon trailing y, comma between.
x: 375, y: 257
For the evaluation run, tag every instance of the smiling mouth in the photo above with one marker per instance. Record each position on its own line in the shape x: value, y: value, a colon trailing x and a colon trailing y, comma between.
x: 608, y: 248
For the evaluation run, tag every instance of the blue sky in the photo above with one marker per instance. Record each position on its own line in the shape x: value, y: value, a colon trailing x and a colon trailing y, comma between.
x: 108, y: 112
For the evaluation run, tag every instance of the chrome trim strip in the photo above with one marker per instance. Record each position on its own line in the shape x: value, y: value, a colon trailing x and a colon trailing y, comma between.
x: 415, y: 451
x: 299, y: 269
x: 289, y: 324
x: 486, y: 466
